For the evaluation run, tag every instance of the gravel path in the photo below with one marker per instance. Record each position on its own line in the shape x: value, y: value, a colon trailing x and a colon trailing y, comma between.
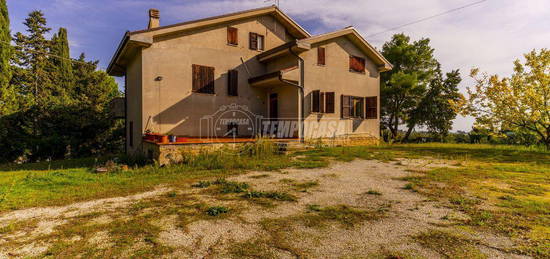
x: 360, y: 184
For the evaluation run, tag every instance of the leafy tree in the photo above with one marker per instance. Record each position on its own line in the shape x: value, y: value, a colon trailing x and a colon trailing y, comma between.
x: 520, y: 103
x: 94, y: 88
x: 7, y: 92
x: 403, y: 87
x: 65, y: 112
x: 61, y: 60
x: 440, y: 105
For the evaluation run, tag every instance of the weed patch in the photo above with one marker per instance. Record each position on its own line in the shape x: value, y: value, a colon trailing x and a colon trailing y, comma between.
x: 373, y: 192
x: 216, y: 210
x: 449, y: 245
x: 345, y: 215
x: 278, y: 196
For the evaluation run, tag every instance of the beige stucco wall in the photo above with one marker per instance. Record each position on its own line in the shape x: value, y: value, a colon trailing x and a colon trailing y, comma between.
x: 170, y: 106
x: 336, y: 77
x: 134, y: 102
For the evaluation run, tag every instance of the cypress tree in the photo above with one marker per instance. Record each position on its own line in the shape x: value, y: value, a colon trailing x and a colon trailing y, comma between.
x: 7, y: 94
x: 32, y: 55
x: 61, y: 60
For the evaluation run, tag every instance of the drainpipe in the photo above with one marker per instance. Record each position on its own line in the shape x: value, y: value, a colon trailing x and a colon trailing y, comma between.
x: 301, y: 87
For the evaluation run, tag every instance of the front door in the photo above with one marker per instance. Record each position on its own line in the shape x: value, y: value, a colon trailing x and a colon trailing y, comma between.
x: 273, y: 107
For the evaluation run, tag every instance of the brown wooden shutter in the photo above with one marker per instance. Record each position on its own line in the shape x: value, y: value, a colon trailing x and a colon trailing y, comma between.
x: 209, y: 80
x: 315, y: 100
x: 329, y: 102
x: 361, y: 107
x: 261, y: 41
x: 233, y: 83
x: 356, y: 64
x: 203, y: 79
x: 361, y: 64
x: 322, y: 103
x: 196, y: 78
x: 346, y: 106
x: 232, y: 36
x: 253, y: 41
x: 320, y: 56
x: 372, y: 107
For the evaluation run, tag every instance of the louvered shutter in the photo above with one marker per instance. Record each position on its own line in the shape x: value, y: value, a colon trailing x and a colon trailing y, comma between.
x: 253, y: 41
x: 203, y: 79
x: 315, y: 96
x: 356, y: 64
x: 372, y: 107
x: 329, y: 102
x: 320, y: 56
x: 233, y: 83
x: 209, y: 80
x: 360, y: 64
x: 346, y: 106
x: 232, y: 36
x: 196, y: 78
x: 361, y: 109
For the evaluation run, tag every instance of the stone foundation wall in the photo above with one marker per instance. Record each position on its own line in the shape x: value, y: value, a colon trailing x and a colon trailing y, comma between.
x: 174, y: 153
x: 350, y: 140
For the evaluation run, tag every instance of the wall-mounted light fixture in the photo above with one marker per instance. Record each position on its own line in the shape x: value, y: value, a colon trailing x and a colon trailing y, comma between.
x: 158, y: 78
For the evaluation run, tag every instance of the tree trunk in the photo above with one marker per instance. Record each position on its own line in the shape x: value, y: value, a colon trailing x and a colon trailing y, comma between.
x: 395, y: 127
x: 409, y: 131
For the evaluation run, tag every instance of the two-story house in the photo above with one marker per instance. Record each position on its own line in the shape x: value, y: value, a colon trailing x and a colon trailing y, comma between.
x: 176, y: 75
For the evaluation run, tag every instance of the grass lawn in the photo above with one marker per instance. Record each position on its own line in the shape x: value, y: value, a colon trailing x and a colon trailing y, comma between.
x: 65, y: 182
x: 505, y: 189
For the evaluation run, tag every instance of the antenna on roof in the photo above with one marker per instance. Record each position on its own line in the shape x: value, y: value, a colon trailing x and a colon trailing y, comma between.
x: 276, y: 2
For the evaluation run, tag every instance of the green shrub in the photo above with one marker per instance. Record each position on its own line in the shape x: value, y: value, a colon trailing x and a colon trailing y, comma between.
x: 216, y: 210
x: 279, y: 196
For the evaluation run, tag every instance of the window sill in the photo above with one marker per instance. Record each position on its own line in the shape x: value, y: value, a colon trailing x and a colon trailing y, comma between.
x: 232, y: 45
x: 321, y: 65
x: 357, y: 72
x: 204, y: 93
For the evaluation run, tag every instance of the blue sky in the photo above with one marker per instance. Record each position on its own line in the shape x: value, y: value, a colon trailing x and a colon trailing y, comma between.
x: 489, y: 35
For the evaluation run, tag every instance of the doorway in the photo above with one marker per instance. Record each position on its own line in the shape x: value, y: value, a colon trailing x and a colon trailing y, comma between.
x: 273, y: 106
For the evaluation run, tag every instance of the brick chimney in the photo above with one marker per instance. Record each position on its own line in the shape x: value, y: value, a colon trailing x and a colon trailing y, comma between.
x: 154, y: 18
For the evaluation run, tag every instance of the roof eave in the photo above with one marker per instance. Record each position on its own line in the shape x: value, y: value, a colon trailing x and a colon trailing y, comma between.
x: 296, y: 45
x: 112, y: 64
x: 299, y: 32
x: 128, y: 42
x: 384, y: 64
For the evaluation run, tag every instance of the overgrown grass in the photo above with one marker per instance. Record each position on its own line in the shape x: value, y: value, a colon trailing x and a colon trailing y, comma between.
x: 449, y: 245
x: 68, y: 181
x: 501, y: 188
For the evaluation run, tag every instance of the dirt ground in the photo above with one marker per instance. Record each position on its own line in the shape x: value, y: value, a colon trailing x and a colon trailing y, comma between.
x: 389, y: 224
